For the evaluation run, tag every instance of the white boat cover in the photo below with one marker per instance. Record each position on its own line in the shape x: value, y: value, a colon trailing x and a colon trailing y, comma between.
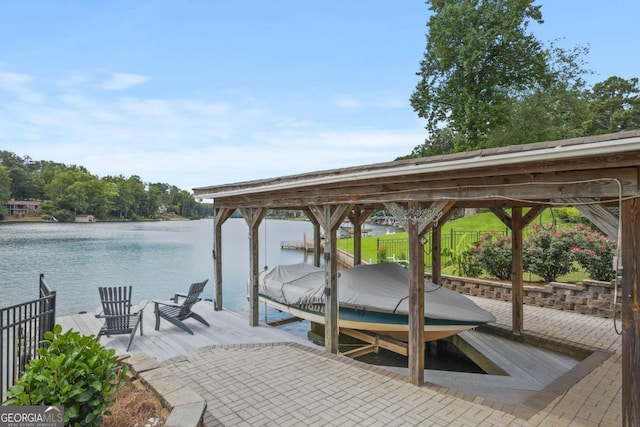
x: 376, y: 287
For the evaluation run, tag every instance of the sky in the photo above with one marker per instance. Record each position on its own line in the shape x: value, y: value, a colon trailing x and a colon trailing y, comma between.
x: 196, y: 93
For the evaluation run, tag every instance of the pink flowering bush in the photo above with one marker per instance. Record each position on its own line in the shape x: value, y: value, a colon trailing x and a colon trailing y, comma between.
x: 493, y: 254
x: 594, y: 251
x: 547, y: 253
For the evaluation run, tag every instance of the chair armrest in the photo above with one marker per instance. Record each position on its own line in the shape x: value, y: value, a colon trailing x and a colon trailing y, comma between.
x: 117, y: 316
x: 176, y: 296
x: 140, y: 307
x: 169, y: 302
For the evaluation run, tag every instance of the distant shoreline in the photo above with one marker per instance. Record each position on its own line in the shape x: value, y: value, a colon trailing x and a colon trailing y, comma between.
x: 37, y: 219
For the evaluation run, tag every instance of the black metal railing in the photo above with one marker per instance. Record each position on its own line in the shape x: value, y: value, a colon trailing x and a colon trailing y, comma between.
x: 22, y: 329
x: 455, y: 241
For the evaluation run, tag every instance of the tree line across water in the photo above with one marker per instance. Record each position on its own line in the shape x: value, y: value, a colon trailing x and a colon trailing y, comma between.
x: 70, y: 190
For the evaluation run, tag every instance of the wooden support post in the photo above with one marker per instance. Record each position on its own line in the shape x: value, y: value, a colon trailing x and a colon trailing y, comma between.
x: 416, y: 227
x: 219, y: 217
x: 630, y: 217
x: 416, y: 303
x: 357, y: 218
x: 317, y: 244
x: 330, y: 217
x: 331, y: 330
x: 317, y: 238
x: 254, y: 217
x: 517, y: 284
x: 436, y: 242
x: 436, y: 255
x: 516, y: 222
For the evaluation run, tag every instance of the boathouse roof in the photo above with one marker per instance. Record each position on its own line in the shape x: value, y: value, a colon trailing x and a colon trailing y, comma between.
x: 601, y: 167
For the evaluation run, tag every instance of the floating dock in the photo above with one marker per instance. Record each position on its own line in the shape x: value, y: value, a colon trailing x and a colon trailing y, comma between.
x: 300, y: 245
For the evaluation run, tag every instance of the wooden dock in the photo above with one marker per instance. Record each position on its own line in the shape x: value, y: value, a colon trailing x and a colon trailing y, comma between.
x: 300, y: 245
x: 227, y: 327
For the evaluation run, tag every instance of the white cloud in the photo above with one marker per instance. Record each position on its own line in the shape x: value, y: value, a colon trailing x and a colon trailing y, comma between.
x: 17, y: 84
x: 122, y: 81
x: 349, y: 102
x: 186, y: 142
x: 346, y: 102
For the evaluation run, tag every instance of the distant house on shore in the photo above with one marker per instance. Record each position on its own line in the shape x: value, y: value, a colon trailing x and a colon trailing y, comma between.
x: 85, y: 218
x: 23, y: 207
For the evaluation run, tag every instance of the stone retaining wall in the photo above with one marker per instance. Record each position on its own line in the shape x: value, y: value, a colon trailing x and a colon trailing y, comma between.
x: 586, y: 297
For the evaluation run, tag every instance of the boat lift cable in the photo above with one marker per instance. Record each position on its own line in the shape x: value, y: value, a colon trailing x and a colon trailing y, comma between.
x: 265, y: 245
x: 265, y: 266
x: 553, y: 220
x: 618, y: 261
x: 405, y: 298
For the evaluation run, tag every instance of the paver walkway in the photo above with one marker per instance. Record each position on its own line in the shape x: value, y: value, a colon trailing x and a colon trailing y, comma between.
x: 287, y: 384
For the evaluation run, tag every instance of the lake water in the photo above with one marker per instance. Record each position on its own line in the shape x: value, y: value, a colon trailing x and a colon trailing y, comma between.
x: 157, y: 258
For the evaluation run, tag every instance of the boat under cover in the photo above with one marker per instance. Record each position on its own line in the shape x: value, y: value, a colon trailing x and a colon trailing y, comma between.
x: 372, y: 297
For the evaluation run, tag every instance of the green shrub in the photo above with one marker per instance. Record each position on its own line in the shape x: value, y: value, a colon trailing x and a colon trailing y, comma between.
x: 382, y: 254
x: 547, y: 253
x: 493, y: 254
x: 72, y: 370
x: 463, y: 261
x: 568, y: 215
x: 594, y: 251
x: 469, y: 266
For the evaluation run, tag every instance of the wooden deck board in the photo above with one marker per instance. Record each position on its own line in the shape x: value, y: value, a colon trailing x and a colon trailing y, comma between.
x: 530, y: 369
x: 227, y: 327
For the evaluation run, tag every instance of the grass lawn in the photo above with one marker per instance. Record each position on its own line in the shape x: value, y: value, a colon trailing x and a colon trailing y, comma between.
x: 482, y: 222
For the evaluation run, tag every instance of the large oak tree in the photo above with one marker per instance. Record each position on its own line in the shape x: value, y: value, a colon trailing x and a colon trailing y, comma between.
x: 479, y: 57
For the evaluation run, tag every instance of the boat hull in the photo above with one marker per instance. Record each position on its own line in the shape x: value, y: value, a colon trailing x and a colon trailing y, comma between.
x: 393, y: 326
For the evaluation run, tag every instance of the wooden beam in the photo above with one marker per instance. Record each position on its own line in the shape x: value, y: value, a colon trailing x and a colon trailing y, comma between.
x: 446, y: 216
x: 630, y: 216
x: 361, y: 351
x: 254, y: 217
x: 285, y: 321
x: 600, y: 216
x: 502, y: 216
x: 330, y: 217
x: 387, y: 343
x: 219, y: 218
x: 531, y: 215
x: 519, y: 187
x: 526, y: 219
x: 357, y: 217
x: 440, y: 208
x: 437, y: 209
